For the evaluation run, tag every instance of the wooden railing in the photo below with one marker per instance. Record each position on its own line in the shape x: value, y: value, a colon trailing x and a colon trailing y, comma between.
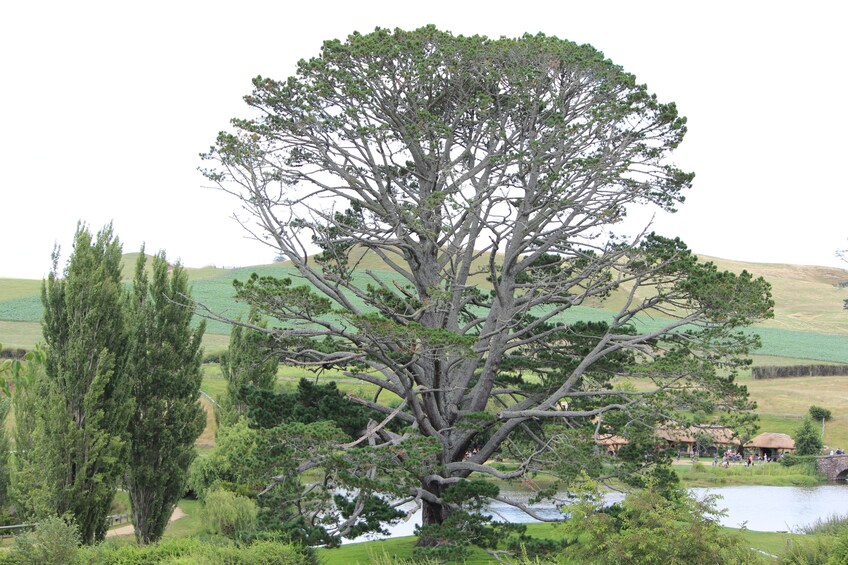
x: 9, y: 531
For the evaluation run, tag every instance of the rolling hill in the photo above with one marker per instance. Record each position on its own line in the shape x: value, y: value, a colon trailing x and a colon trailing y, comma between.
x: 809, y: 321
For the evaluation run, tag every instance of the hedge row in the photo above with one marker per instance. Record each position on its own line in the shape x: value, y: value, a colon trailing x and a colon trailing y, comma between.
x: 799, y: 371
x: 12, y: 353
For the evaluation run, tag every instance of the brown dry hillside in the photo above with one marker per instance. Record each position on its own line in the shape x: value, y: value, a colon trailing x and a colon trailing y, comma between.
x: 807, y: 298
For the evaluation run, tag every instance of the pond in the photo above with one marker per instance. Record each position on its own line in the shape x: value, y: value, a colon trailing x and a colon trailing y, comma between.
x: 777, y: 509
x: 759, y: 508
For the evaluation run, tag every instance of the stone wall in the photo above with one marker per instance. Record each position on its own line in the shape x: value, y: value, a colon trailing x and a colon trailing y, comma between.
x: 832, y: 466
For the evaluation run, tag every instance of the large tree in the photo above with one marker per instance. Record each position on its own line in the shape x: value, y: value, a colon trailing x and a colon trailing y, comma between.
x: 82, y: 404
x: 164, y: 362
x: 484, y: 176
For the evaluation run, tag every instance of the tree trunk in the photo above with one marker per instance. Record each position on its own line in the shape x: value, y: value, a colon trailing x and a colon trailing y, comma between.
x: 432, y: 514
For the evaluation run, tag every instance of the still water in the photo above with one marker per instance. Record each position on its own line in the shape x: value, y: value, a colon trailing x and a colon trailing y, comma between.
x: 759, y: 508
x: 777, y: 509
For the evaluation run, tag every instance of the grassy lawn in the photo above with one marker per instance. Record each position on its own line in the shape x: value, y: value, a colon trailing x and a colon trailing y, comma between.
x: 190, y: 525
x: 770, y: 474
x: 401, y: 548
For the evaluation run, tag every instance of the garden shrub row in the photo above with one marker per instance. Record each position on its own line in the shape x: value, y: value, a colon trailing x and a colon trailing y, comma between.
x: 799, y: 371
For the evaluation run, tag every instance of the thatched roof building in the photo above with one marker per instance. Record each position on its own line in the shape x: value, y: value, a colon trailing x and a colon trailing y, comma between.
x: 720, y: 435
x: 611, y: 443
x: 772, y: 442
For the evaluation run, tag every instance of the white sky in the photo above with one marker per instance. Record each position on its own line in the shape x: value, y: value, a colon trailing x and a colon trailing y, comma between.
x: 104, y: 107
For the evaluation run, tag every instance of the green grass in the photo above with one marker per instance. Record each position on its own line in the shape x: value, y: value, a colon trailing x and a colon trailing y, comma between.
x: 11, y: 289
x: 401, y: 548
x: 19, y: 334
x: 773, y: 543
x: 809, y: 322
x: 771, y: 474
x: 190, y: 525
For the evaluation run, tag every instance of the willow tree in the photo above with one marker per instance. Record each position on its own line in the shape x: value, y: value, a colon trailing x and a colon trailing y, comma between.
x: 460, y: 193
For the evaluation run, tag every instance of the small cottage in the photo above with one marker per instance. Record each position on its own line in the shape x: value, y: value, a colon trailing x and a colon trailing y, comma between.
x: 771, y: 444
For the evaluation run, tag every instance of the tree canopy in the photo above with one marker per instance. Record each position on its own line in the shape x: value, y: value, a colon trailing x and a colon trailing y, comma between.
x: 485, y: 176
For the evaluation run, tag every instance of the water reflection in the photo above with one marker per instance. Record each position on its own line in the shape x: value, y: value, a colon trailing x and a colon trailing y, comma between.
x: 759, y: 508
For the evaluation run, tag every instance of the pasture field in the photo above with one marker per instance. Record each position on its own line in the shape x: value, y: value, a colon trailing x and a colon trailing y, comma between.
x: 809, y: 321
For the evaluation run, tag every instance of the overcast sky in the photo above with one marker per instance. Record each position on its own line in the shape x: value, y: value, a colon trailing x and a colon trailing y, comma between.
x: 105, y: 106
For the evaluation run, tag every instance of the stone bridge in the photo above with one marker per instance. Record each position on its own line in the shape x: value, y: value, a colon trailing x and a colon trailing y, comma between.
x: 835, y: 467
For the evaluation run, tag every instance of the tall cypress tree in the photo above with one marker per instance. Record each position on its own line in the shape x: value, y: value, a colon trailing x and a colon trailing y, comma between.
x: 84, y: 404
x: 165, y: 364
x: 247, y: 361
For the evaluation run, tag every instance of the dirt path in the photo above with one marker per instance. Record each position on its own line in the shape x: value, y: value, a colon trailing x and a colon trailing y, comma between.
x: 128, y: 529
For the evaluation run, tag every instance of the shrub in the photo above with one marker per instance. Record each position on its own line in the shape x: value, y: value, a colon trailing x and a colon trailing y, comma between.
x: 807, y: 439
x: 818, y: 413
x: 229, y: 514
x: 54, y: 540
x: 791, y: 460
x: 190, y: 551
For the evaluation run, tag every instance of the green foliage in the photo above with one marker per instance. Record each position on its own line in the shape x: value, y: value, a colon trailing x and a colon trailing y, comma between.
x: 818, y: 413
x: 229, y: 514
x: 793, y: 459
x: 649, y: 528
x: 81, y: 403
x: 453, y: 538
x: 164, y: 363
x: 807, y: 439
x: 816, y: 550
x: 248, y: 361
x: 210, y: 551
x: 239, y: 459
x: 54, y: 540
x: 311, y: 402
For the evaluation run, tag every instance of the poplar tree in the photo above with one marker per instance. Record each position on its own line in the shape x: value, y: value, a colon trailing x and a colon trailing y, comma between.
x: 84, y: 405
x: 165, y: 365
x: 247, y: 361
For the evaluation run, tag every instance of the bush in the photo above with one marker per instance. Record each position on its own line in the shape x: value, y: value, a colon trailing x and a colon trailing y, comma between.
x: 807, y: 439
x: 54, y: 540
x: 229, y: 514
x: 791, y: 460
x: 192, y: 550
x: 818, y: 413
x: 15, y: 353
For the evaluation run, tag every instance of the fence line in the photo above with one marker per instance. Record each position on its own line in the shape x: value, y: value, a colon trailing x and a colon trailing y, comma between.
x: 9, y: 531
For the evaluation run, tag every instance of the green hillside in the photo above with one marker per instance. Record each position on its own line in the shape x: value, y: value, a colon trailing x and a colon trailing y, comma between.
x: 809, y: 321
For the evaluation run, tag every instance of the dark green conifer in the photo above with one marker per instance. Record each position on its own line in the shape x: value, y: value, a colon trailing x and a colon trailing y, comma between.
x: 165, y: 365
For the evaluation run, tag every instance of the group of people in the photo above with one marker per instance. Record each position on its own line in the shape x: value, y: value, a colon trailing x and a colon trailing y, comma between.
x: 734, y: 457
